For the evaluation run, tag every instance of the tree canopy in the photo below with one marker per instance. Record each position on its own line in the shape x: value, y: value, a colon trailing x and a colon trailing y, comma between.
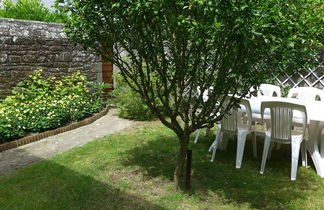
x: 167, y: 49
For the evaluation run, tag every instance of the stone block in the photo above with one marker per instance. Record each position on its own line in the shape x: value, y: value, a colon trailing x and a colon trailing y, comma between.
x: 3, y: 57
x: 14, y: 59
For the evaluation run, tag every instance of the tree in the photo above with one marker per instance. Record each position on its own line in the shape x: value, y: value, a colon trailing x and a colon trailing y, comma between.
x: 166, y: 49
x: 30, y: 10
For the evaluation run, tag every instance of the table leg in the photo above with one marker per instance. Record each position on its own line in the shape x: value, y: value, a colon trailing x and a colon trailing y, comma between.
x: 312, y: 147
x: 320, y: 140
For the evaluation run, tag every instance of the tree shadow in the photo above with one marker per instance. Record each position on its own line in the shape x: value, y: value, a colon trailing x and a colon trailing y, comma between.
x: 49, y: 185
x: 13, y: 159
x: 246, y: 186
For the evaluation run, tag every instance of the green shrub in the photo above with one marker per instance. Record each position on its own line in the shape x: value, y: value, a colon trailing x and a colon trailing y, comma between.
x: 10, y: 125
x: 42, y: 103
x: 30, y: 10
x: 97, y: 90
x: 129, y: 102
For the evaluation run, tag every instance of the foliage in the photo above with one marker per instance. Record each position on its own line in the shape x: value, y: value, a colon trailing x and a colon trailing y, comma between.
x: 129, y: 102
x: 30, y: 10
x: 166, y: 49
x: 62, y: 8
x: 39, y: 103
x: 97, y: 90
x: 285, y: 91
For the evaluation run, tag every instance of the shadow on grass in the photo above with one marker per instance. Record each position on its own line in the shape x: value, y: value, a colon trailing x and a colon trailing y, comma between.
x: 220, y: 179
x: 49, y: 185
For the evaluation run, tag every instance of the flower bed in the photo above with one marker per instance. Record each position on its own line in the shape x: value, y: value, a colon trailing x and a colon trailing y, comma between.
x: 42, y: 103
x: 42, y: 135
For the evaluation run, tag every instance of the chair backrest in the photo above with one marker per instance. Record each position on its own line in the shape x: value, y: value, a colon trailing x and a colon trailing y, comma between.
x: 232, y: 120
x: 281, y: 119
x: 306, y: 93
x: 269, y: 90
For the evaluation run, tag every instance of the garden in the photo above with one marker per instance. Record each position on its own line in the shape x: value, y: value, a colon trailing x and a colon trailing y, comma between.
x: 183, y: 66
x: 43, y: 103
x: 134, y: 170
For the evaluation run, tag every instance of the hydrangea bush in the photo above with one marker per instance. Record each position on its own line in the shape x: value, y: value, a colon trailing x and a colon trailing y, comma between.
x: 41, y: 103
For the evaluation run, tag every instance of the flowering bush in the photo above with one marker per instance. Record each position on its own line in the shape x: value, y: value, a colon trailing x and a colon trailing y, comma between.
x: 41, y: 103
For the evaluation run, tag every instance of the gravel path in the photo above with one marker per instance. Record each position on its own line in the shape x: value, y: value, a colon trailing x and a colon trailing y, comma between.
x: 22, y: 156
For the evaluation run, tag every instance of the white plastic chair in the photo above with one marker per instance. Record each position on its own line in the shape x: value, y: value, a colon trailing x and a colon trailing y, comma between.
x: 198, y: 133
x: 306, y: 93
x: 205, y: 98
x: 265, y: 90
x: 280, y: 131
x: 269, y: 90
x: 232, y: 124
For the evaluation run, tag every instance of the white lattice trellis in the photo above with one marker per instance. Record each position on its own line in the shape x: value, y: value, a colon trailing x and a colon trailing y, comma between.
x: 310, y: 78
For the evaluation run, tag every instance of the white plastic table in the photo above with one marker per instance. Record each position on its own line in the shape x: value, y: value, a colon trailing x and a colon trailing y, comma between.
x: 315, y: 115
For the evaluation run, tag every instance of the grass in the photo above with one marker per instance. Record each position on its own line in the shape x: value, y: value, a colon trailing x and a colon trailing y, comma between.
x: 134, y: 170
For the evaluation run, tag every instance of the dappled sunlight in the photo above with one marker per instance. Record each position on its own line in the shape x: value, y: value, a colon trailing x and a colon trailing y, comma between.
x: 134, y: 169
x: 220, y: 180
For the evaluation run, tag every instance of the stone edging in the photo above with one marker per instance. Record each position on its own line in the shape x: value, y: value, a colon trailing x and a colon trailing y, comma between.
x: 37, y: 137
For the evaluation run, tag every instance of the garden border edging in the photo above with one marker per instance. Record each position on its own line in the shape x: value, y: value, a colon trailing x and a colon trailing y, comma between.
x: 37, y: 137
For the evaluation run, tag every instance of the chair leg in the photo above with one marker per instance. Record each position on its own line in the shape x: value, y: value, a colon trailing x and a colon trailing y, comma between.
x: 224, y: 141
x: 197, y: 135
x: 254, y: 144
x: 217, y: 138
x: 272, y: 145
x: 221, y: 142
x: 214, y: 146
x: 206, y: 131
x: 304, y: 153
x: 321, y: 145
x: 241, y: 139
x: 295, y: 148
x: 265, y: 153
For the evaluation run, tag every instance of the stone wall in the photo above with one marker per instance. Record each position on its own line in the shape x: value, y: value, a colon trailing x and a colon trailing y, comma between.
x: 29, y: 45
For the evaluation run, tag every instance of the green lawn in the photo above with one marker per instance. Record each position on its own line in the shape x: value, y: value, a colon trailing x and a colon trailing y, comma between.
x: 134, y: 170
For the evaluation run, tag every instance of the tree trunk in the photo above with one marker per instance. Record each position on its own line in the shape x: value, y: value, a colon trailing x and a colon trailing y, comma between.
x: 180, y: 171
